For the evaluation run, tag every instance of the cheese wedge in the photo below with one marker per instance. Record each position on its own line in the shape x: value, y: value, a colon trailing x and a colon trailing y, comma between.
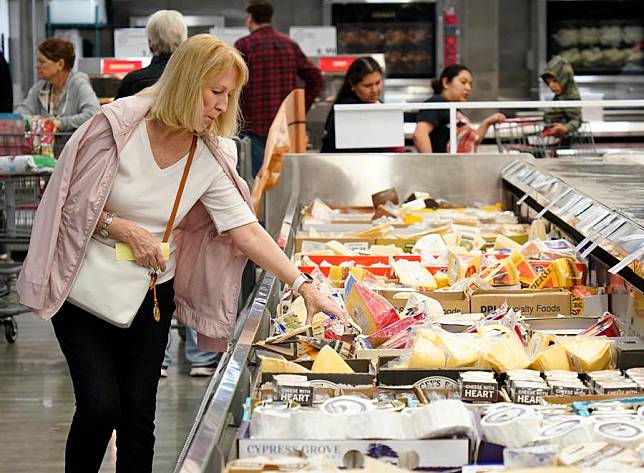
x: 507, y: 354
x: 553, y: 358
x: 275, y: 365
x: 452, y: 239
x: 504, y: 243
x: 385, y: 250
x: 412, y: 273
x: 504, y: 273
x: 328, y: 361
x: 425, y: 354
x: 588, y: 354
x: 458, y: 353
x: 339, y: 249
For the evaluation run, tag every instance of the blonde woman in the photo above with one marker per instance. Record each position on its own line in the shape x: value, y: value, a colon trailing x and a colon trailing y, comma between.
x: 116, y: 180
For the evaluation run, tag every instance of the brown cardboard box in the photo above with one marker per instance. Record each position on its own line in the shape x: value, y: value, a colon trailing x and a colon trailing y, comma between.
x: 452, y: 302
x: 405, y: 243
x: 305, y: 243
x: 532, y: 303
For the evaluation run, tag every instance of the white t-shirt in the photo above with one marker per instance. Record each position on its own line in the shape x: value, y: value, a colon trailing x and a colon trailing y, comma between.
x: 144, y: 193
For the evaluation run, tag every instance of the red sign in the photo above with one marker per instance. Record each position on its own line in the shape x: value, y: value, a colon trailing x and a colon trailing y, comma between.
x: 336, y: 63
x: 119, y: 66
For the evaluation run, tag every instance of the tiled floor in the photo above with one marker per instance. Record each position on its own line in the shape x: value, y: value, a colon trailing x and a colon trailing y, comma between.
x: 37, y: 403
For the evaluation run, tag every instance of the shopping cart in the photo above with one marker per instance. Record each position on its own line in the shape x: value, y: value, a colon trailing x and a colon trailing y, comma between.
x: 25, y: 142
x: 530, y: 135
x: 20, y: 194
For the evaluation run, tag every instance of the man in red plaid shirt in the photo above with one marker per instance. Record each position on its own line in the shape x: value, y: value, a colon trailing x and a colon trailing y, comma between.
x: 275, y: 62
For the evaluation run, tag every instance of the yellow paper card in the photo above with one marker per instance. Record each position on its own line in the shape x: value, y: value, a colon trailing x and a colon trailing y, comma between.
x: 124, y: 252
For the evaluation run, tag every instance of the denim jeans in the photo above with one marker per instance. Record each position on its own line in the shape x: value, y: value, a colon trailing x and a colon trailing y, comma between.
x: 115, y: 373
x: 257, y: 143
x: 195, y: 357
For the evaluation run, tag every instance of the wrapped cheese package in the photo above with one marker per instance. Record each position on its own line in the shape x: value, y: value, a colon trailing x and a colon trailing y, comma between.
x: 412, y: 273
x: 588, y: 353
x: 370, y: 311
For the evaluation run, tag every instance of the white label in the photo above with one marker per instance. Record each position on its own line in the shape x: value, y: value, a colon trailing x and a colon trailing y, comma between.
x: 229, y: 35
x: 315, y: 41
x: 131, y: 42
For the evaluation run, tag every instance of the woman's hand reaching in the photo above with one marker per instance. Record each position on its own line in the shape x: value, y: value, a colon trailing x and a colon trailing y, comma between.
x: 316, y: 302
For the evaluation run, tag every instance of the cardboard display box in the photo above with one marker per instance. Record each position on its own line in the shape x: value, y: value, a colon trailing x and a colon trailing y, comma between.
x: 630, y: 352
x: 427, y: 453
x: 590, y: 305
x: 452, y: 302
x: 531, y: 303
x: 560, y: 325
x: 305, y: 243
x: 362, y: 375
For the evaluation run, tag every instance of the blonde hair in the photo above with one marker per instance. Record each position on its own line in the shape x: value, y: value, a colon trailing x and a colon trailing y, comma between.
x: 178, y: 93
x: 166, y: 30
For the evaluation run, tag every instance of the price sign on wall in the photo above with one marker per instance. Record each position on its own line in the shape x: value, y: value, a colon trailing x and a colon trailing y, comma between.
x: 315, y: 40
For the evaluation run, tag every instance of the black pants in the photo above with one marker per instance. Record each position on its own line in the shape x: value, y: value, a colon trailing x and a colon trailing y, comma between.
x: 115, y: 373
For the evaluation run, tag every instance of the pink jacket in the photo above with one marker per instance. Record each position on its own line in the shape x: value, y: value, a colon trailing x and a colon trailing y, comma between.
x: 208, y: 267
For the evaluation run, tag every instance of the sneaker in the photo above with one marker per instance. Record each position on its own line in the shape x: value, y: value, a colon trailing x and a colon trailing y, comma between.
x: 164, y: 371
x: 202, y: 371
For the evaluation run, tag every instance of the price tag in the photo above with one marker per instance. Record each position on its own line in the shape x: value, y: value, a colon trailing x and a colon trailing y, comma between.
x: 628, y: 260
x: 601, y: 223
x: 592, y: 219
x: 571, y: 203
x: 553, y: 202
x: 604, y: 236
x: 582, y: 207
x: 508, y: 167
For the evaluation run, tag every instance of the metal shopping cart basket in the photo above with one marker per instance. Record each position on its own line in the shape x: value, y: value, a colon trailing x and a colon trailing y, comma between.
x: 21, y: 143
x: 20, y: 194
x: 529, y: 135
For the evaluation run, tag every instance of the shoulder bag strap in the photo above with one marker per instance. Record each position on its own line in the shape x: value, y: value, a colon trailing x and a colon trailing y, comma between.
x: 182, y: 185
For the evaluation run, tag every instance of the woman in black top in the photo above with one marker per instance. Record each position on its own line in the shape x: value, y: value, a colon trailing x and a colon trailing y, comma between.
x: 432, y: 130
x: 362, y: 84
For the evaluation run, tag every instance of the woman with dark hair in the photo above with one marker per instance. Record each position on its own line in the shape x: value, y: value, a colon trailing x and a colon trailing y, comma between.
x: 362, y: 84
x: 60, y: 92
x: 432, y: 128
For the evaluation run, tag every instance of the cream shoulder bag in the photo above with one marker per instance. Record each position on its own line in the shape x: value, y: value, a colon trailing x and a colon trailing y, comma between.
x: 114, y: 290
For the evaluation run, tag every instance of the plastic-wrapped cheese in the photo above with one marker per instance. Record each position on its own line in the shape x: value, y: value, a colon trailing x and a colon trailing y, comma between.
x: 339, y: 249
x: 275, y: 365
x: 328, y: 361
x: 459, y: 354
x: 506, y: 354
x: 425, y: 354
x: 441, y: 280
x: 504, y: 243
x: 412, y: 273
x: 588, y: 354
x: 552, y: 358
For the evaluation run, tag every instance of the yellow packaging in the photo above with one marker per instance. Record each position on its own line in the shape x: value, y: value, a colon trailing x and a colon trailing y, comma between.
x: 552, y: 358
x: 562, y: 273
x: 123, y: 251
x: 461, y: 267
x: 504, y: 273
x: 441, y: 279
x: 527, y: 273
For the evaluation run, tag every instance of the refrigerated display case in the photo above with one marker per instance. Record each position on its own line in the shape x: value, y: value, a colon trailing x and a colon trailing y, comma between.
x: 407, y: 32
x: 604, y: 42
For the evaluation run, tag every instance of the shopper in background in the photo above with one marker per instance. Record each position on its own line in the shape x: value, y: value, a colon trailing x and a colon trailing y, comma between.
x: 6, y: 87
x: 61, y: 93
x: 116, y: 180
x: 560, y: 78
x: 432, y: 129
x: 362, y: 85
x: 166, y: 30
x: 275, y: 63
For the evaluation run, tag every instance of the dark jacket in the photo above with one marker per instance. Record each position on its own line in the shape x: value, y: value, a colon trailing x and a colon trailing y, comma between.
x: 562, y: 71
x: 6, y: 87
x: 136, y: 81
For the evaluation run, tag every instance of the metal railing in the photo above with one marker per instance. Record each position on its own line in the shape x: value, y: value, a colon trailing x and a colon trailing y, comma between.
x: 381, y: 125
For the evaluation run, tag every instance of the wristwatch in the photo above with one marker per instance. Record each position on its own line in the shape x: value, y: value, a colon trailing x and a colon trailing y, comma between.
x: 106, y: 223
x: 303, y: 278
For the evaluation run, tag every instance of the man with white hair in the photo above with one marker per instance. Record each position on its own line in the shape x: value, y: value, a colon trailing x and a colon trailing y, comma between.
x: 166, y: 30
